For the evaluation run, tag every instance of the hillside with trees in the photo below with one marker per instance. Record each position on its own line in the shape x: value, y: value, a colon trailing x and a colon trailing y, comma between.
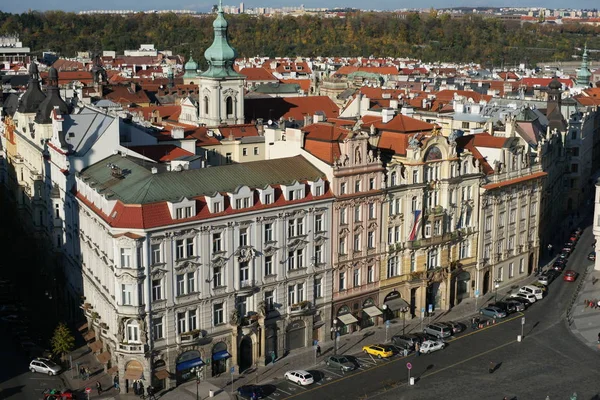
x: 429, y: 36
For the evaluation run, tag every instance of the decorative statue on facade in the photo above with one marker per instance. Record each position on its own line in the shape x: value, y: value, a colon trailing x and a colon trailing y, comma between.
x: 413, y: 142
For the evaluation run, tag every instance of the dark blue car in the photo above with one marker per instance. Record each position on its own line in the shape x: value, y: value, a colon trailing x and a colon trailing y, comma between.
x: 251, y: 392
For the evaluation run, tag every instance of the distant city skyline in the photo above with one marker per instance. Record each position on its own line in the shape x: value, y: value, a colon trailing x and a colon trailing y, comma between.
x: 205, y: 6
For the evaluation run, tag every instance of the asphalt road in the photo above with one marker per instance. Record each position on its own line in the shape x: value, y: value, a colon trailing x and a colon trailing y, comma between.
x: 549, y: 361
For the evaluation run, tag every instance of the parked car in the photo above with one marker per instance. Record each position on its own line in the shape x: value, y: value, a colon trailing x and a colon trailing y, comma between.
x: 493, y: 312
x: 536, y: 291
x: 592, y: 256
x: 570, y: 275
x: 504, y: 306
x: 457, y: 327
x: 518, y: 305
x: 406, y: 341
x: 559, y: 264
x: 541, y: 286
x: 299, y: 377
x: 437, y: 330
x: 44, y: 366
x: 251, y: 391
x: 55, y: 394
x: 429, y: 346
x: 544, y: 279
x: 526, y: 296
x: 378, y: 350
x: 341, y: 363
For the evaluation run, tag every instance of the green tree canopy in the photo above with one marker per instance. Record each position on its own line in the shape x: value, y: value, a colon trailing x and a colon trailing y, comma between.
x: 62, y: 341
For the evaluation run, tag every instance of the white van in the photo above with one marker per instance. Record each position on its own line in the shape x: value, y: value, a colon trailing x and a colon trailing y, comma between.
x: 537, y: 292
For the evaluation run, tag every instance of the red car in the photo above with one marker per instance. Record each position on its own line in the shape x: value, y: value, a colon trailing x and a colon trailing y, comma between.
x: 570, y: 275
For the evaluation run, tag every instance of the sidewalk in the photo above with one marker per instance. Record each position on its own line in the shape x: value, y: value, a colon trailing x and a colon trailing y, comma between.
x: 353, y: 342
x: 83, y: 356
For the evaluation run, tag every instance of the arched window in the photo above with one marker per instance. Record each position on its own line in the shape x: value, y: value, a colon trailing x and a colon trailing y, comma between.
x: 393, y: 179
x: 132, y: 331
x: 205, y: 105
x: 413, y: 204
x: 229, y: 106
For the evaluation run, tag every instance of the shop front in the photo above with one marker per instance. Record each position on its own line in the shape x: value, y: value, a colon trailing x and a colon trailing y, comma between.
x: 186, y: 365
x: 134, y: 371
x: 345, y: 321
x: 219, y: 358
x: 394, y: 305
x: 161, y: 375
x: 370, y: 313
x: 296, y: 335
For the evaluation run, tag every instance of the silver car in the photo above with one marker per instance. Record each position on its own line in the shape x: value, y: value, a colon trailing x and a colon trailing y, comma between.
x: 437, y: 330
x: 45, y: 366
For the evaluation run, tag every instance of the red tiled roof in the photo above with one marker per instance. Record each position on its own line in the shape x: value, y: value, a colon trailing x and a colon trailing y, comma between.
x: 398, y: 142
x: 124, y: 95
x: 257, y: 74
x: 161, y: 152
x: 346, y: 70
x: 238, y: 131
x: 515, y: 180
x: 68, y: 65
x: 303, y: 83
x: 448, y: 95
x: 165, y: 112
x: 400, y: 123
x: 66, y: 77
x: 543, y: 82
x: 322, y: 141
x: 289, y: 107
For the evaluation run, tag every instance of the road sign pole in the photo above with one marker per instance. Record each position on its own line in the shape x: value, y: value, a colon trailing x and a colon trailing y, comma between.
x: 409, y: 376
x: 232, y: 371
x: 408, y: 367
x: 522, y: 326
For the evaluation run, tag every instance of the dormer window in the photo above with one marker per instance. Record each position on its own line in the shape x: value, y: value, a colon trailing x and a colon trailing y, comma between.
x: 299, y: 68
x: 268, y: 198
x: 242, y: 203
x: 287, y: 67
x: 217, y: 207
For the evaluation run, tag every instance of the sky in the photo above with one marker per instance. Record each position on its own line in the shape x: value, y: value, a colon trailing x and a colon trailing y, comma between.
x: 13, y: 6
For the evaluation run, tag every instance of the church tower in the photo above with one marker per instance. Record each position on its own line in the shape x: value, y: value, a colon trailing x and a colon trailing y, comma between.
x: 584, y: 74
x: 221, y: 87
x: 553, y: 105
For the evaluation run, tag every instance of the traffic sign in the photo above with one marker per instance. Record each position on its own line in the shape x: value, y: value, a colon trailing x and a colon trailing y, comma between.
x: 523, y: 321
x: 477, y: 293
x: 408, y: 365
x: 422, y: 310
x: 88, y: 390
x: 431, y: 308
x: 232, y: 370
x: 387, y: 323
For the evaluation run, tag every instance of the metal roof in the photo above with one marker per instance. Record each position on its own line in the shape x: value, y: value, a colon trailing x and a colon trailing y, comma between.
x: 134, y: 182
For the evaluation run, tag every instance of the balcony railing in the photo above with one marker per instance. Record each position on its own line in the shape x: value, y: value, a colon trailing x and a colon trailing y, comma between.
x: 190, y: 337
x: 304, y: 307
x: 131, y: 348
x: 248, y: 285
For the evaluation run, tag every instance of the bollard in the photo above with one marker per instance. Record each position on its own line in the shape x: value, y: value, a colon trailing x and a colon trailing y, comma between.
x: 519, y: 338
x: 412, y: 380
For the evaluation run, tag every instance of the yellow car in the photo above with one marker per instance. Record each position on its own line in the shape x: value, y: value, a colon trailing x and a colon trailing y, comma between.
x: 378, y: 350
x: 541, y: 286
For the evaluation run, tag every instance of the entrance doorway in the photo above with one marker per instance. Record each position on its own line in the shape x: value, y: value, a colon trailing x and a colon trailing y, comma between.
x: 219, y: 358
x: 462, y: 286
x: 245, y: 354
x: 296, y: 335
x: 486, y: 283
x: 530, y: 265
x: 271, y: 343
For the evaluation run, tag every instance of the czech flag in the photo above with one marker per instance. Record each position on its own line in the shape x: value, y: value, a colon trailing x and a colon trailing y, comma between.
x: 415, y: 228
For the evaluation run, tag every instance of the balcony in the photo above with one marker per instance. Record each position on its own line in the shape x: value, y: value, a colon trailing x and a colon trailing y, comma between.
x: 190, y: 337
x: 432, y: 241
x: 247, y: 287
x: 131, y: 348
x: 302, y: 308
x: 249, y: 323
x: 296, y: 272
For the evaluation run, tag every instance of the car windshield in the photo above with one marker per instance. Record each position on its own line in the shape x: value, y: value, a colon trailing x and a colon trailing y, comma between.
x: 343, y: 360
x: 50, y: 364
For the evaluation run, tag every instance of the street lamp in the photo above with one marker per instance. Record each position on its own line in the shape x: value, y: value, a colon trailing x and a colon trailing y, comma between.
x: 335, y: 332
x: 197, y: 370
x: 404, y: 310
x: 496, y: 286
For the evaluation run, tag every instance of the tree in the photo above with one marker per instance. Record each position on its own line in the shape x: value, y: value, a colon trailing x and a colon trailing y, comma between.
x: 62, y: 340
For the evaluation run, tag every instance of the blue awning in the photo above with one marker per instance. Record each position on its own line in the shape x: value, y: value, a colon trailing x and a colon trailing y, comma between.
x: 189, y: 364
x: 221, y: 355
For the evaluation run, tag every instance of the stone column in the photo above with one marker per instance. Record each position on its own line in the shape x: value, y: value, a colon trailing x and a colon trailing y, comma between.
x: 262, y: 337
x: 234, y: 349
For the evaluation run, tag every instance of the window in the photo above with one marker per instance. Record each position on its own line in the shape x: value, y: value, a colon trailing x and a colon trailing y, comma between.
x: 228, y: 158
x: 268, y: 229
x: 268, y: 265
x: 180, y: 281
x: 428, y: 230
x: 392, y: 266
x: 269, y: 296
x: 437, y: 228
x: 533, y: 209
x: 393, y: 179
x: 371, y: 183
x: 501, y: 219
x: 229, y: 106
x: 488, y: 223
x: 318, y: 288
x: 318, y: 254
x: 500, y: 273
x: 156, y: 256
x: 487, y: 250
x: 574, y: 167
x: 415, y: 175
x: 127, y: 294
x: 191, y: 282
x: 241, y: 304
x: 356, y: 186
x: 244, y: 237
x: 319, y: 223
x: 370, y: 274
x: 133, y: 331
x: 413, y: 204
x: 157, y: 289
x: 179, y: 213
x: 218, y: 314
x: 432, y: 259
x: 216, y: 239
x: 464, y: 249
x: 413, y: 262
x: 189, y: 247
x: 268, y: 198
x: 300, y: 292
x: 357, y: 214
x: 356, y: 278
x: 296, y: 259
x: 512, y: 215
x: 290, y: 195
x: 342, y: 246
x: 256, y: 151
x: 245, y: 151
x: 295, y: 227
x: 319, y: 191
x: 511, y: 270
x: 342, y: 280
x: 391, y: 236
x: 244, y: 274
x: 511, y: 243
x: 126, y: 258
x: 217, y: 277
x: 343, y: 218
x: 157, y: 328
x: 521, y: 266
x: 371, y: 210
x: 465, y: 125
x: 357, y: 246
x: 343, y: 188
x: 291, y: 295
x: 523, y: 212
x: 370, y: 240
x: 179, y: 250
x: 217, y: 207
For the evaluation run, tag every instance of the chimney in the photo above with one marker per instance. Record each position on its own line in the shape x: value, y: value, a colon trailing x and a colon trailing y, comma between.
x: 260, y: 126
x: 133, y: 87
x: 177, y: 132
x: 307, y: 120
x: 154, y: 170
x: 394, y: 104
x: 387, y: 114
x: 318, y: 117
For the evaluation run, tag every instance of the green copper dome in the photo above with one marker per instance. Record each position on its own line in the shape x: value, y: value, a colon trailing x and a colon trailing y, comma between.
x: 584, y: 74
x: 220, y: 56
x: 191, y: 68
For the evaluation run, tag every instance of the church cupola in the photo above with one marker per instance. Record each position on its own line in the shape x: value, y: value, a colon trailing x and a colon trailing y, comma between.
x: 190, y: 74
x: 584, y: 74
x: 33, y: 96
x: 221, y: 87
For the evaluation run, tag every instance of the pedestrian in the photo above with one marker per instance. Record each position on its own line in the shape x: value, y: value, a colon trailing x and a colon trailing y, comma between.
x: 116, y: 383
x: 417, y: 349
x: 99, y: 387
x: 136, y: 391
x: 318, y: 351
x: 81, y: 372
x: 491, y: 367
x: 86, y: 373
x: 273, y: 357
